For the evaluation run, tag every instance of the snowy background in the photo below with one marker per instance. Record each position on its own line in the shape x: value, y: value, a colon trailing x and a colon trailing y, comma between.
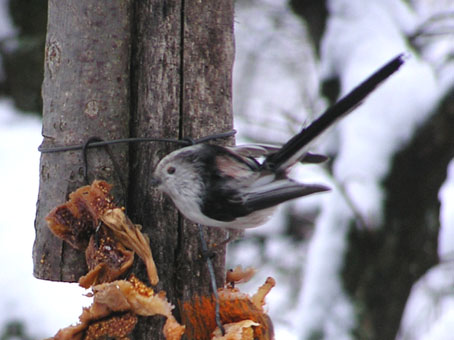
x: 277, y: 73
x: 276, y: 90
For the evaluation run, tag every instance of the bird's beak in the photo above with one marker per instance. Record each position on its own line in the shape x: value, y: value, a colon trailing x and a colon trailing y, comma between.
x: 155, y: 182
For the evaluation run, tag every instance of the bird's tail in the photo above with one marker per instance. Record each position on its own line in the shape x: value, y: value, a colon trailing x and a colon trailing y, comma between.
x: 294, y: 149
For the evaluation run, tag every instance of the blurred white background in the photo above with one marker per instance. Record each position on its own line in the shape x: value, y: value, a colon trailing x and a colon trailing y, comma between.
x: 277, y: 79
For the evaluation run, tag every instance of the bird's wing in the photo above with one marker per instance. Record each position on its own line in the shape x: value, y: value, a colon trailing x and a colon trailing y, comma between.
x: 254, y: 150
x: 235, y: 165
x: 263, y: 150
x: 274, y: 193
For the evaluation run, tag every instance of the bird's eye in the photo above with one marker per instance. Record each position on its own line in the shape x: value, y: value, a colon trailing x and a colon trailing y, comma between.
x: 171, y: 170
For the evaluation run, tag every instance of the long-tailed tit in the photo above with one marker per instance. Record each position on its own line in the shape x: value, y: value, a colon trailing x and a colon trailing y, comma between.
x: 228, y: 187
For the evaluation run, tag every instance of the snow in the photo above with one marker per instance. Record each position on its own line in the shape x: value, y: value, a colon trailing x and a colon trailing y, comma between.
x: 6, y: 28
x: 44, y: 306
x: 323, y: 308
x: 360, y: 37
x: 275, y: 92
x: 262, y: 68
x: 443, y: 329
x: 429, y: 313
x: 430, y: 307
x: 394, y: 119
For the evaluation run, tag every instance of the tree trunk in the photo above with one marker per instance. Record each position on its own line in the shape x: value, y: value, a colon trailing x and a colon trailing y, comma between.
x: 382, y: 265
x: 143, y: 68
x: 182, y: 62
x: 85, y: 93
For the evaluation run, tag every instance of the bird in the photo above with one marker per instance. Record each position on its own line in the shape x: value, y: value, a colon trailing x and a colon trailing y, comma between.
x: 239, y: 187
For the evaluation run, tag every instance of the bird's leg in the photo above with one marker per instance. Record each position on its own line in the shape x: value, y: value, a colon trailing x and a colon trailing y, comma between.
x: 208, y: 257
x: 232, y: 235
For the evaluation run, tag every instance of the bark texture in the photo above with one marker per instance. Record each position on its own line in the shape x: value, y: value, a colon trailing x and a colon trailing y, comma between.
x: 182, y: 62
x: 314, y: 13
x: 134, y: 68
x: 85, y: 93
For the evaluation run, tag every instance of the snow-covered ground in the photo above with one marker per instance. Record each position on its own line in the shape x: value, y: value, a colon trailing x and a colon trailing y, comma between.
x: 272, y: 69
x: 45, y: 306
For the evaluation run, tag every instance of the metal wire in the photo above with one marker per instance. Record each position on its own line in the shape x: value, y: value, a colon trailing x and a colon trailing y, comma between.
x: 214, y: 286
x: 99, y: 143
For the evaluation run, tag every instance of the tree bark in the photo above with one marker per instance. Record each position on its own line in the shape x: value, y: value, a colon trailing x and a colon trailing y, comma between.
x: 182, y: 62
x: 382, y: 265
x: 208, y: 53
x: 85, y: 93
x: 314, y: 13
x: 143, y: 68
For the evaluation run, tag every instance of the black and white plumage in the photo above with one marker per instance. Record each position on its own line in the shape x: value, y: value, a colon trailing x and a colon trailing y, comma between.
x: 228, y: 187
